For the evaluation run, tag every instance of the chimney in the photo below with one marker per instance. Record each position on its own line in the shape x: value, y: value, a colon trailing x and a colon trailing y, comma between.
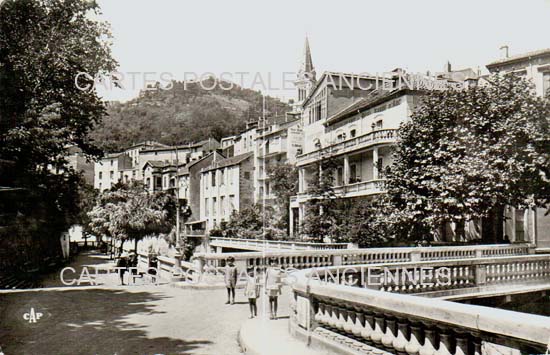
x: 447, y: 67
x: 505, y: 51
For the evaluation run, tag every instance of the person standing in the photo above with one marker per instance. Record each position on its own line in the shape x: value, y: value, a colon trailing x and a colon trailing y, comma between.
x: 273, y: 287
x: 230, y: 279
x: 122, y: 264
x: 252, y: 290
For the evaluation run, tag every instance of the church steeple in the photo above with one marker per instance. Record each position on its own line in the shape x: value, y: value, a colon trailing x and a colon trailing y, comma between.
x: 307, y: 65
x: 306, y: 77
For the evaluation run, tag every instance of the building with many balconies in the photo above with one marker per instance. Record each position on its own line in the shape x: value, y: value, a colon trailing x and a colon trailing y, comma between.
x: 278, y: 143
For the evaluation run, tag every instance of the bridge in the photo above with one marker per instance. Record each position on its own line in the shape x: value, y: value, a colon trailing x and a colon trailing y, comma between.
x: 416, y: 301
x: 335, y: 308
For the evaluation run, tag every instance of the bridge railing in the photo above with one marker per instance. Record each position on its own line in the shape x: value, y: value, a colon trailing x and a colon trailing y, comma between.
x: 166, y: 267
x: 372, y: 321
x: 441, y: 278
x: 275, y: 244
x: 305, y: 259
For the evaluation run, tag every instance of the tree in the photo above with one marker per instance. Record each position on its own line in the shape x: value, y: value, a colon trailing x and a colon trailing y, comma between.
x: 253, y: 222
x: 129, y: 212
x: 43, y: 46
x: 465, y: 154
x: 321, y: 213
x: 284, y: 184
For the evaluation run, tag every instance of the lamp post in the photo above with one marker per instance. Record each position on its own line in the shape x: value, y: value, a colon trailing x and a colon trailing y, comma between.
x: 178, y: 255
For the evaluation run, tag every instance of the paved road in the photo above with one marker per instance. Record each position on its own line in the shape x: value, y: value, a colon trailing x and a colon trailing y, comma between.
x: 108, y: 320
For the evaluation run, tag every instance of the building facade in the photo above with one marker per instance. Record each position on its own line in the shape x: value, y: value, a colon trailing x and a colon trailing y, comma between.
x: 226, y: 185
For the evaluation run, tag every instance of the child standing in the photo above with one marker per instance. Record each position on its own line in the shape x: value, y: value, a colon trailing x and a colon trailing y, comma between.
x: 273, y: 286
x: 230, y: 279
x: 252, y: 290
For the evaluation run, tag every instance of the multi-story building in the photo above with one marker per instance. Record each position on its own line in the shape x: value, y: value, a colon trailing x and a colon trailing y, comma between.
x: 189, y: 178
x: 226, y: 185
x: 109, y: 170
x: 527, y: 224
x: 278, y: 143
x: 130, y: 164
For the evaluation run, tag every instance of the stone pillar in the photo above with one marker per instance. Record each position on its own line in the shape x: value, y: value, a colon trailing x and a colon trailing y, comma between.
x: 375, y: 173
x: 301, y: 185
x: 291, y: 220
x: 346, y: 170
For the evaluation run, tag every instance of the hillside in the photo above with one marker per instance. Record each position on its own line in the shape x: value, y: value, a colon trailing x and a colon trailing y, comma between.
x: 182, y: 114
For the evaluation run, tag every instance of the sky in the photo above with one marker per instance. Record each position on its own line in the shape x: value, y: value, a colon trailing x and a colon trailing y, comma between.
x: 265, y: 39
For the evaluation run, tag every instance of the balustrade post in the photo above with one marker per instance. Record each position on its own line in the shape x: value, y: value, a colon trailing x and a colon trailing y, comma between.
x: 337, y: 260
x: 199, y: 267
x: 389, y: 334
x: 461, y: 344
x: 481, y: 274
x: 444, y: 343
x: 368, y: 327
x: 400, y: 341
x: 416, y: 255
x: 378, y: 332
x: 413, y: 346
x: 427, y: 347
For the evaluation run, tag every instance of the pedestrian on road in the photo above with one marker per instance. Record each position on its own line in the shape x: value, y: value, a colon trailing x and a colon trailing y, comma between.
x: 122, y: 263
x: 230, y: 279
x: 273, y: 286
x: 252, y: 290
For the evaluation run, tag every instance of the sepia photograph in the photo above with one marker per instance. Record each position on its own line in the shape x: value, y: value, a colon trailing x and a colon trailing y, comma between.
x: 185, y: 177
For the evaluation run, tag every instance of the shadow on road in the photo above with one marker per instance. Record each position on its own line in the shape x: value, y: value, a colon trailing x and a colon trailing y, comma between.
x: 94, y: 322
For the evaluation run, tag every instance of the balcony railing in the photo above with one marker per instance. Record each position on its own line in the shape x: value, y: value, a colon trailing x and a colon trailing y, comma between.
x: 370, y: 187
x: 369, y: 139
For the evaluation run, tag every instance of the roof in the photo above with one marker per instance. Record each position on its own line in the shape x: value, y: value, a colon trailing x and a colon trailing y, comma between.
x: 237, y: 159
x: 151, y: 143
x: 157, y: 163
x: 332, y: 73
x: 374, y: 98
x: 520, y: 57
x: 185, y: 170
x: 282, y: 128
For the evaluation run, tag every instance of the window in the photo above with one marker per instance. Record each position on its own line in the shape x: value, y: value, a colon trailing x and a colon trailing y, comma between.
x: 353, y: 174
x: 520, y: 225
x: 206, y: 207
x: 213, y: 177
x: 134, y: 174
x: 222, y: 177
x: 223, y: 206
x: 546, y: 83
x: 352, y: 133
x: 339, y: 176
x: 100, y: 186
x: 214, y: 200
x: 112, y: 174
x: 158, y: 183
x: 112, y: 162
x: 148, y: 182
x: 100, y: 175
x: 247, y: 175
x: 379, y: 124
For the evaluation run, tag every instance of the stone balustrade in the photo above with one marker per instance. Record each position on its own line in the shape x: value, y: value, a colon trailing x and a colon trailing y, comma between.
x: 273, y: 244
x: 442, y: 278
x: 361, y: 320
x: 167, y: 268
x: 305, y: 259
